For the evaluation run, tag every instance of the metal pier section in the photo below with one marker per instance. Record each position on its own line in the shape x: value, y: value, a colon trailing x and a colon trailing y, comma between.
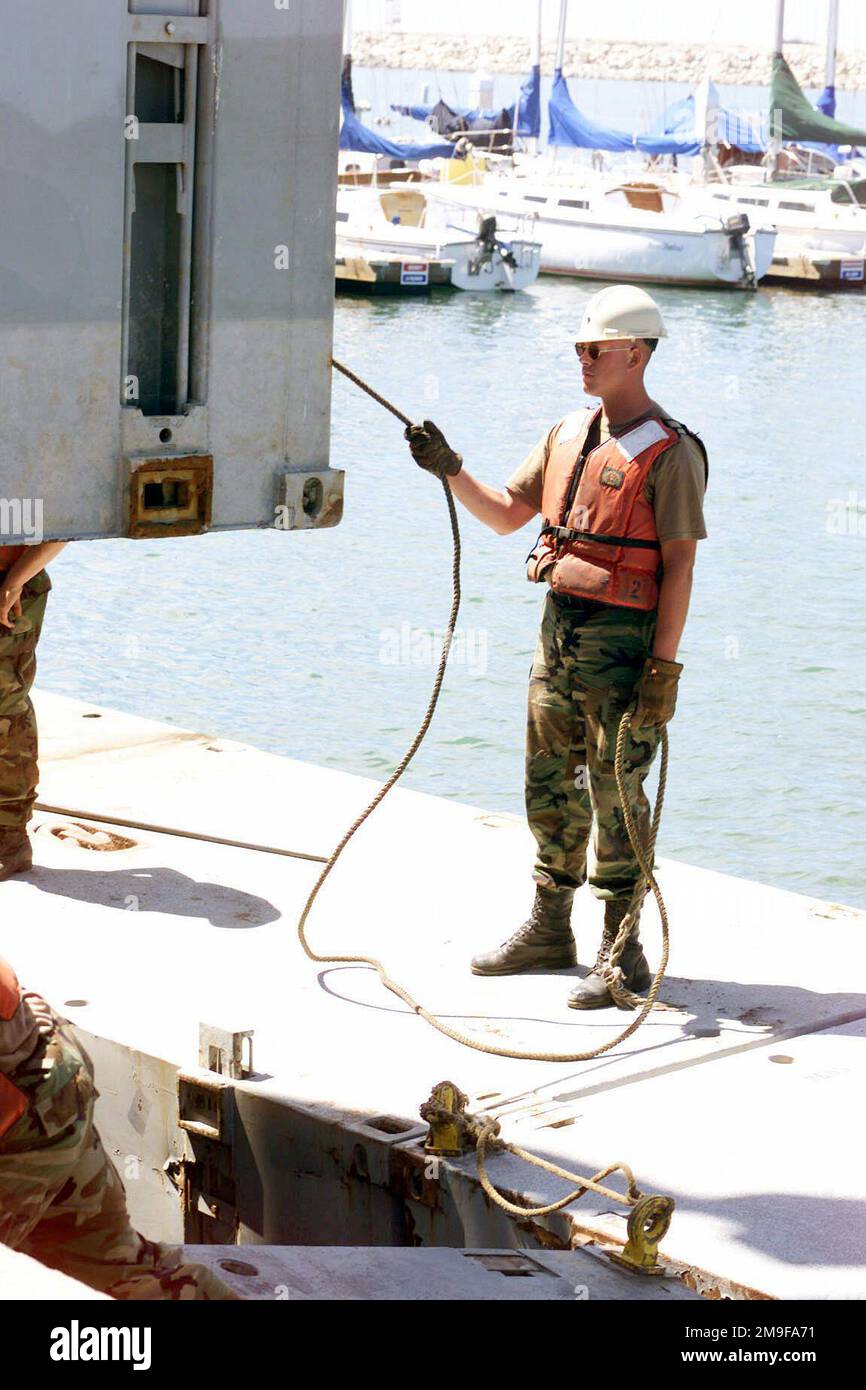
x: 742, y: 1098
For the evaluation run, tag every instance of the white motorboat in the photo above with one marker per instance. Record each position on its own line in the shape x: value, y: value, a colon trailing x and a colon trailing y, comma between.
x: 397, y: 239
x: 635, y: 231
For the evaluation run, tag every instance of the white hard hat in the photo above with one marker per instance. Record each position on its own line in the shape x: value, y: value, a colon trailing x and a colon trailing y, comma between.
x: 621, y: 311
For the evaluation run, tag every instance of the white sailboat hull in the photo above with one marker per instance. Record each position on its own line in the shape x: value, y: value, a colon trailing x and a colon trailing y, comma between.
x: 625, y: 245
x: 673, y: 256
x: 805, y: 220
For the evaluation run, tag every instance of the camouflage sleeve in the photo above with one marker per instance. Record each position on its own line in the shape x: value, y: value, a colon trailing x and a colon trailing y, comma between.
x: 675, y: 488
x: 527, y: 481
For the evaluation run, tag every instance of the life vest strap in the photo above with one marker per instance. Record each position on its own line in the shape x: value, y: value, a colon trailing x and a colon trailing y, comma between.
x: 13, y: 1103
x: 567, y: 533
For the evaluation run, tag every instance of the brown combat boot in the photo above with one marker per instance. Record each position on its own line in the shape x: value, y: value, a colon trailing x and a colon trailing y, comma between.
x: 544, y: 942
x: 16, y: 856
x: 593, y: 993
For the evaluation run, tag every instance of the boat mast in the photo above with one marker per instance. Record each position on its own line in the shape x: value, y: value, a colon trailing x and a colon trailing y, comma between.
x: 560, y: 47
x: 774, y: 143
x: 560, y: 38
x: 832, y: 39
x: 347, y: 70
x: 347, y: 50
x: 535, y: 61
x: 779, y: 40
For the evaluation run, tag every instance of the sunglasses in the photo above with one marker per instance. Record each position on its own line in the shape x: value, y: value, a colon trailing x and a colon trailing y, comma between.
x: 593, y: 351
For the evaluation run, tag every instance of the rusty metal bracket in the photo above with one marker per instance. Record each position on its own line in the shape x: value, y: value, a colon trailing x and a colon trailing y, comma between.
x: 411, y: 1178
x: 648, y: 1223
x: 170, y: 496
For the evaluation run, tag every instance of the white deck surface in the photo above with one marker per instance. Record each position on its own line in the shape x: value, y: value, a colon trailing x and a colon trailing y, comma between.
x: 762, y: 1157
x: 27, y: 1281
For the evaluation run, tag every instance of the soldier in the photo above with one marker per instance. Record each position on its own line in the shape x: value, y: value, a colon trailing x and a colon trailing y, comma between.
x: 61, y: 1199
x: 24, y: 587
x: 620, y: 489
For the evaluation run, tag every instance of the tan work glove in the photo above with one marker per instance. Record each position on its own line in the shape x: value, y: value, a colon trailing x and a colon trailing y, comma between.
x: 431, y: 450
x: 656, y: 693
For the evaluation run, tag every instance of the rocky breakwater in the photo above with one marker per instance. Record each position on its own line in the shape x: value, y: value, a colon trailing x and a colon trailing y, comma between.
x: 635, y: 62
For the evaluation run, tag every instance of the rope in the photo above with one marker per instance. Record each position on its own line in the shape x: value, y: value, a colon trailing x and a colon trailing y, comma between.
x: 610, y: 970
x: 375, y: 395
x: 482, y: 1133
x: 618, y: 991
x: 586, y: 1184
x: 103, y: 819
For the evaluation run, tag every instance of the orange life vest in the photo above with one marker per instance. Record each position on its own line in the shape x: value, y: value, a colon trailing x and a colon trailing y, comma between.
x: 8, y: 555
x: 10, y: 991
x: 13, y: 1102
x: 599, y: 539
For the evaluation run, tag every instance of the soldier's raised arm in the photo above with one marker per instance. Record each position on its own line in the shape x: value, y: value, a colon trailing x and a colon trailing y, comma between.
x: 501, y: 511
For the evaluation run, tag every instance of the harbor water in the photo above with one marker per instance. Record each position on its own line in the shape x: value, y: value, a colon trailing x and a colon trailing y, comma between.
x: 323, y: 645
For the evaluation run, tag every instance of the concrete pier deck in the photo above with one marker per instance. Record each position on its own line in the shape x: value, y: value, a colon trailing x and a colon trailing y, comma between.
x: 742, y: 1098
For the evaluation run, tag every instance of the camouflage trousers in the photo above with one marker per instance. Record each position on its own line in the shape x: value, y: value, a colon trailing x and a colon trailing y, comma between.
x: 587, y: 664
x: 19, y: 773
x: 61, y: 1198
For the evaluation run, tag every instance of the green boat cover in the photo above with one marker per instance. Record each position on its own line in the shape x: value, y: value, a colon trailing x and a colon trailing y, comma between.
x: 793, y: 117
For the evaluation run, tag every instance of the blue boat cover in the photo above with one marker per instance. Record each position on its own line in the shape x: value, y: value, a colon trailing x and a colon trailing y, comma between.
x: 347, y: 95
x: 744, y: 129
x: 354, y: 135
x: 826, y: 102
x: 422, y: 113
x: 529, y: 119
x: 678, y: 118
x: 740, y: 128
x: 568, y: 126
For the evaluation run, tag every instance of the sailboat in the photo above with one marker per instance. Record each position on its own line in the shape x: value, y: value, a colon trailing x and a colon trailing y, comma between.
x: 613, y: 229
x: 768, y: 213
x: 821, y: 221
x: 753, y: 168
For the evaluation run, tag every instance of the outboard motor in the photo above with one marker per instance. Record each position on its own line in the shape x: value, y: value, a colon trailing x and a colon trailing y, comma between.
x: 487, y: 233
x: 735, y: 229
x: 488, y: 243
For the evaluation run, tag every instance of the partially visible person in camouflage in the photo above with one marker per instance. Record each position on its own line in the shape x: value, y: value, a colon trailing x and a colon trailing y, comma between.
x: 61, y: 1199
x: 620, y: 489
x: 24, y: 588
